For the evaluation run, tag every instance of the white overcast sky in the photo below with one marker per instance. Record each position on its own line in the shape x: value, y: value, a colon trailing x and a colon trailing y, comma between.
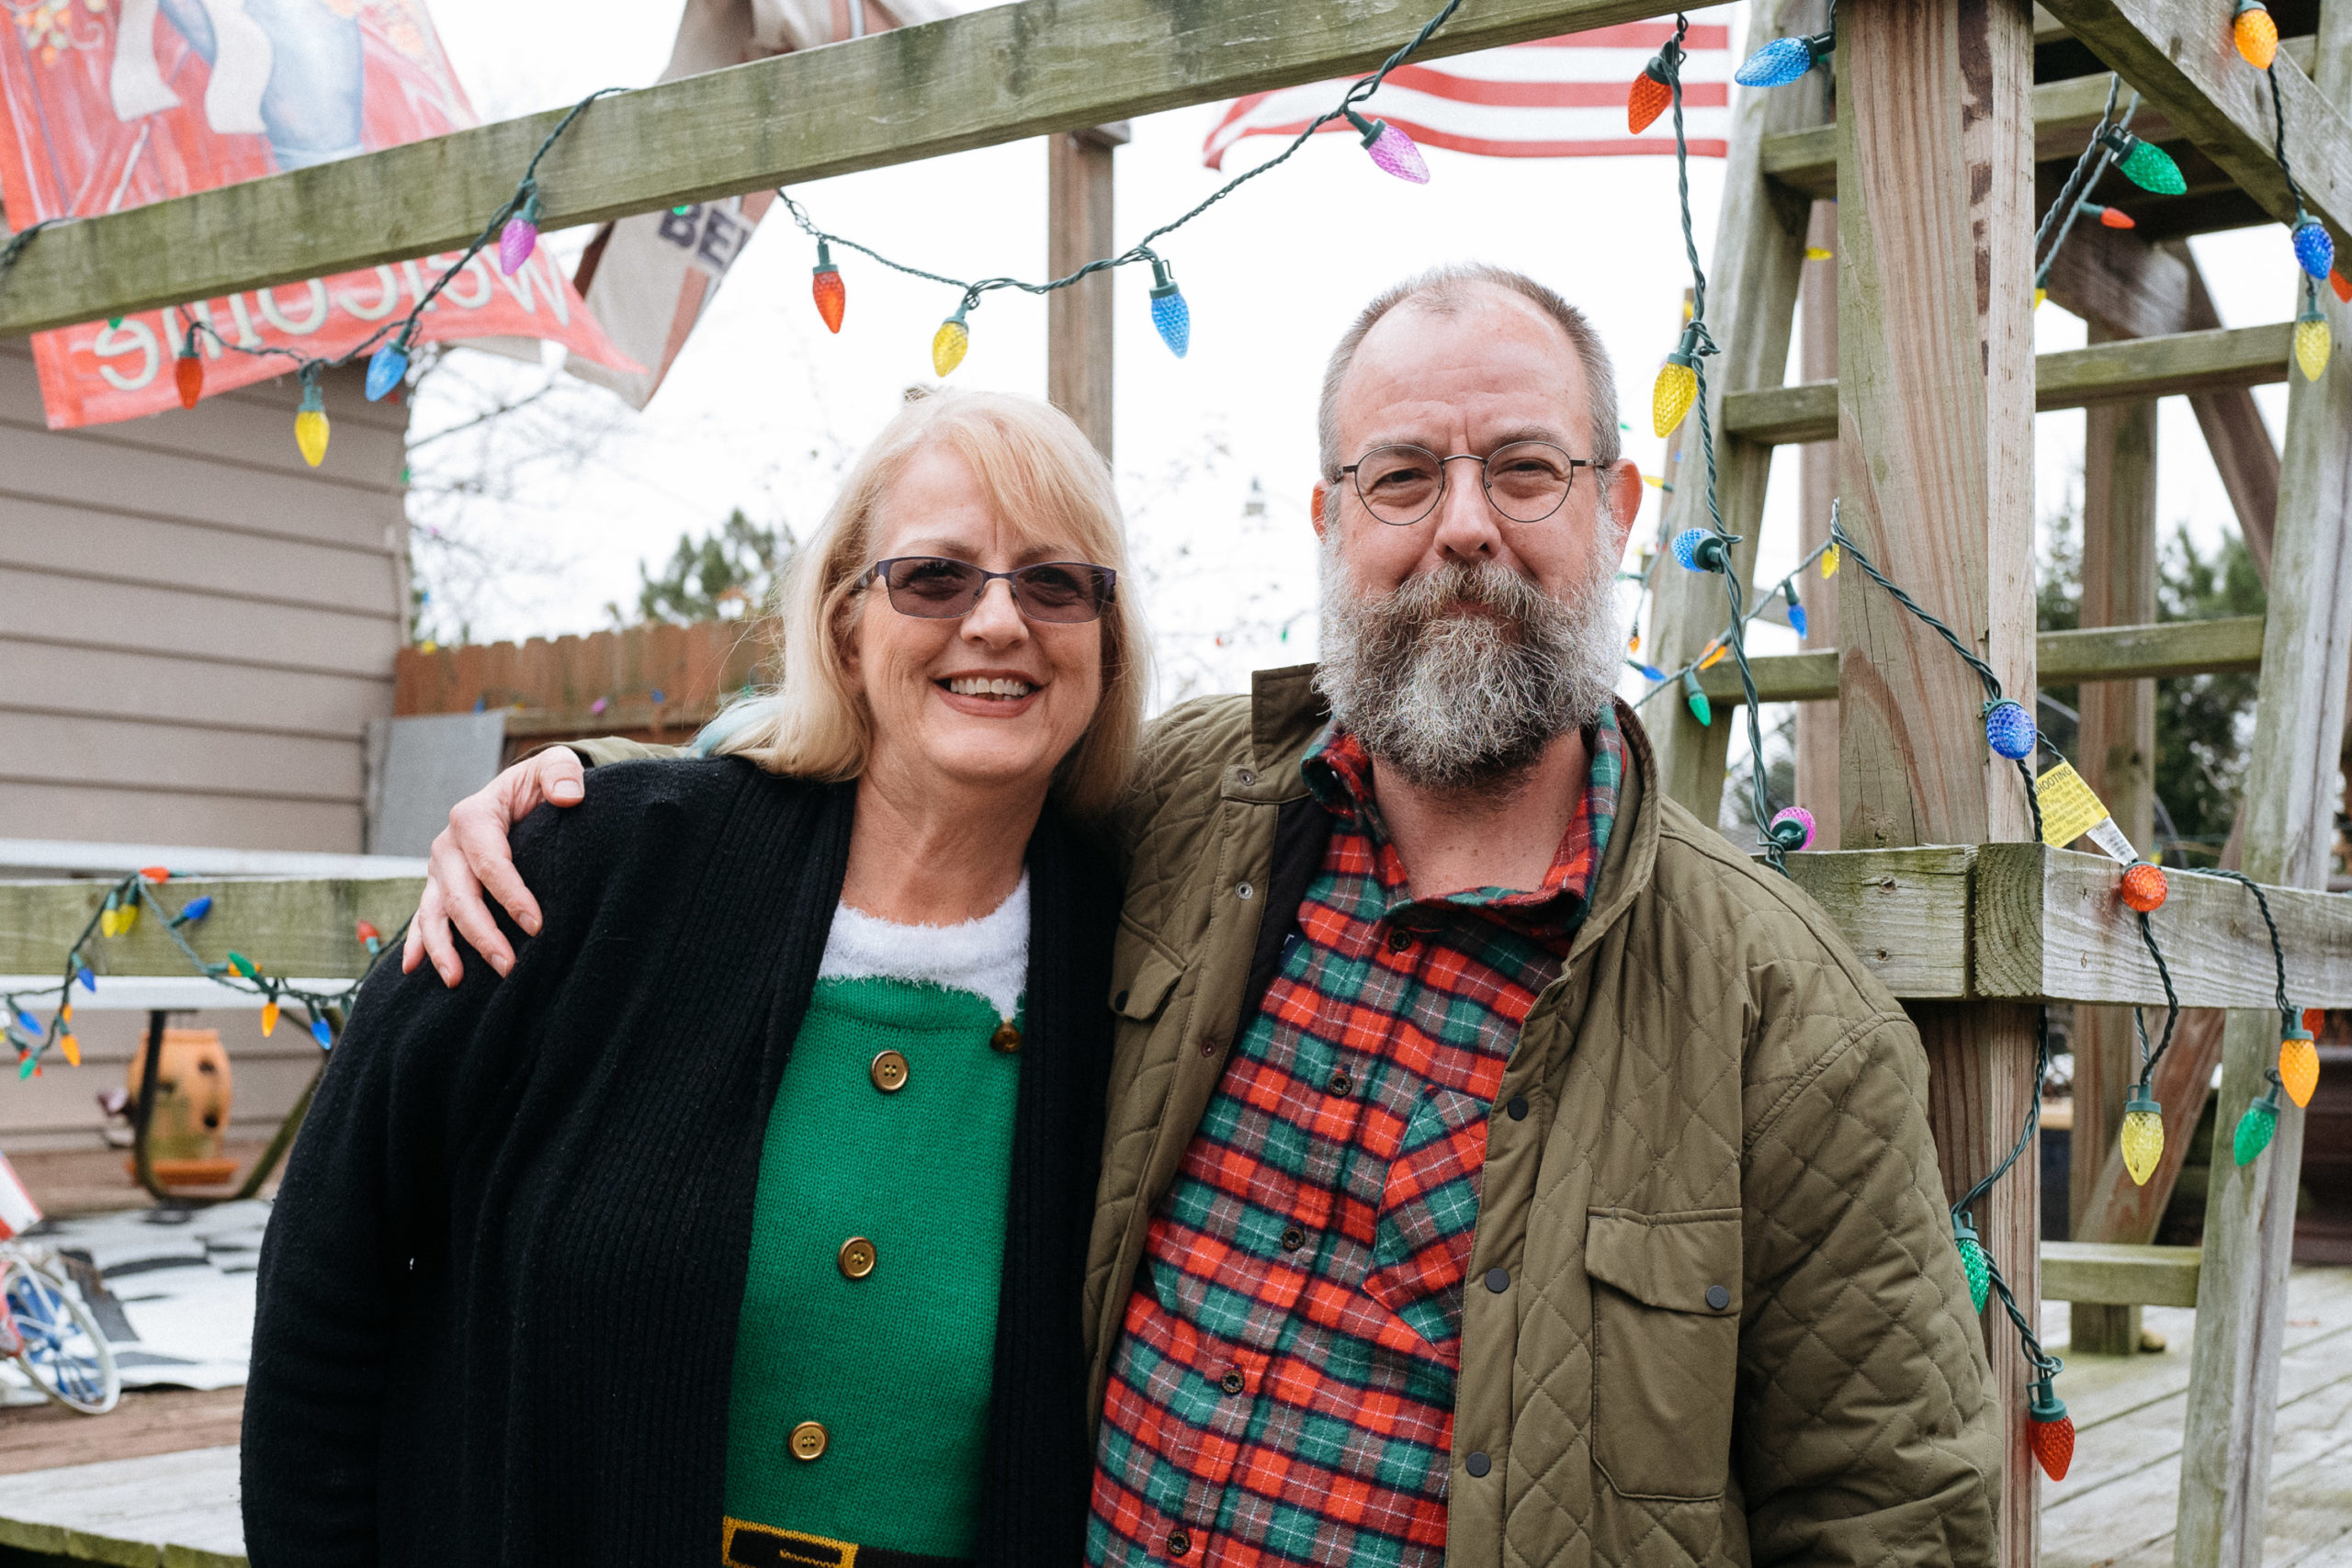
x: 764, y: 399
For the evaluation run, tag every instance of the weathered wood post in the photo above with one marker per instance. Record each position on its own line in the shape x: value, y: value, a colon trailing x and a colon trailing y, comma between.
x: 1817, y: 488
x: 1751, y: 310
x: 1935, y: 418
x: 2287, y: 819
x: 2117, y: 749
x: 1077, y: 319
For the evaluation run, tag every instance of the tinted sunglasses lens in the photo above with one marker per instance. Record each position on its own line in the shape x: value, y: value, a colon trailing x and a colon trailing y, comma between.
x: 929, y: 586
x: 1061, y: 591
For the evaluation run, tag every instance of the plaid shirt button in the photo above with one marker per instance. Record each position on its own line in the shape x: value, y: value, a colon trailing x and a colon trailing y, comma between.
x: 1233, y: 1381
x: 1399, y: 939
x: 1341, y: 1083
x: 1179, y: 1543
x: 1292, y: 1239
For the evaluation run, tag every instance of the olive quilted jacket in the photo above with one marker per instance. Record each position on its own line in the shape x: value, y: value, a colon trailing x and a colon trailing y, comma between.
x: 1722, y: 1096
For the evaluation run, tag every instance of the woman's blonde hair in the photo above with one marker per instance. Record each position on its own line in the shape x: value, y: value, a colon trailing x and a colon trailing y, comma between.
x: 1045, y: 484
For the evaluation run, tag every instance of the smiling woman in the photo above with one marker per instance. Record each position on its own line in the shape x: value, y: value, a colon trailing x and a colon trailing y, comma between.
x: 983, y: 480
x: 806, y: 1057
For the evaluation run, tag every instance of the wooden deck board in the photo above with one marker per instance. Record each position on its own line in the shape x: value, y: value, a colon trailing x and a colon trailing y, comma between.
x: 2117, y: 1505
x: 2115, y: 1508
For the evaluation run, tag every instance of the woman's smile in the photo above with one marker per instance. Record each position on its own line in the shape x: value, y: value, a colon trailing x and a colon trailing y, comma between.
x: 991, y: 694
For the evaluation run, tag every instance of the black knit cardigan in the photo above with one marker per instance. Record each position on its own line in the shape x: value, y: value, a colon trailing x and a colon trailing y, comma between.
x: 498, y: 1293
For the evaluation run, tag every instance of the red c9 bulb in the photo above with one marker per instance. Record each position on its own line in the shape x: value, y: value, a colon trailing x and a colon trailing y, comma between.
x: 1648, y: 99
x: 826, y: 286
x: 2145, y: 888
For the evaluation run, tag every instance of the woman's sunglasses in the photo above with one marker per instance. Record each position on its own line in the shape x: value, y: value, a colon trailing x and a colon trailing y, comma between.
x: 939, y: 588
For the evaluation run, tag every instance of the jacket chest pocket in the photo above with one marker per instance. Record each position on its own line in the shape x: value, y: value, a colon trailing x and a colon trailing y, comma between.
x: 1666, y: 1300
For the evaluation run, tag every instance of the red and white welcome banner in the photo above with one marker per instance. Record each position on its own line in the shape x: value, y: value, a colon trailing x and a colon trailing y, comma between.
x: 1558, y: 98
x: 107, y: 105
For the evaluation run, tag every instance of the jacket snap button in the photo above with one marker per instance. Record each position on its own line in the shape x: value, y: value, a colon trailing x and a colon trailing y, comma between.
x: 1292, y: 1239
x: 1208, y: 1045
x: 1246, y: 776
x: 1477, y: 1464
x: 1517, y: 1108
x: 1245, y: 891
x: 1718, y: 1298
x: 1499, y: 1281
x: 1232, y: 1383
x: 1179, y: 1543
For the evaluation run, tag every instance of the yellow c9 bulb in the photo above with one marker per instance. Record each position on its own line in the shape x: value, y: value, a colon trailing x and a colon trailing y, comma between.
x: 2143, y: 1137
x: 311, y: 422
x: 948, y: 344
x: 2312, y: 345
x: 1671, y: 399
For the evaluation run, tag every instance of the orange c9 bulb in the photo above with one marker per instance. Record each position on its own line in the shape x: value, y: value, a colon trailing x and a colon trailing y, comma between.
x: 2299, y: 1066
x: 2145, y: 888
x: 2256, y: 34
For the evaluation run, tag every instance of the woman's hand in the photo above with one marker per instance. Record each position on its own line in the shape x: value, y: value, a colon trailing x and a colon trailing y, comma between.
x: 472, y: 854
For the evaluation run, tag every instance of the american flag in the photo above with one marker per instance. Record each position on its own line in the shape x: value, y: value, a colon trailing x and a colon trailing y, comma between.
x: 1556, y: 97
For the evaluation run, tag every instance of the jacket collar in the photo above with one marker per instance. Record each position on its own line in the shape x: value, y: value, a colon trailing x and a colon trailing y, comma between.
x: 1286, y: 713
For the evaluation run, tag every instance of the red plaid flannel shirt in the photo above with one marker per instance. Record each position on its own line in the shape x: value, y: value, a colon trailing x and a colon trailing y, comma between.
x: 1282, y: 1390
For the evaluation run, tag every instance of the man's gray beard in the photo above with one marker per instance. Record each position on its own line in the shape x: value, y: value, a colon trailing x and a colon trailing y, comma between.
x: 1453, y: 698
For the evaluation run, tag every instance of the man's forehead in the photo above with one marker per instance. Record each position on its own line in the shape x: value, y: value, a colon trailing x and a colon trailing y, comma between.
x: 1491, y: 356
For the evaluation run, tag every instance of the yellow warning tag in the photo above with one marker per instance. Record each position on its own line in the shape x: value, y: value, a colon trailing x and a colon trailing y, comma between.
x: 2072, y: 809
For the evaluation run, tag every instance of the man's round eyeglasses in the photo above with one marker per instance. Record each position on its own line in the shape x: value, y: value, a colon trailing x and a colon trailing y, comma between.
x: 939, y: 588
x: 1525, y: 480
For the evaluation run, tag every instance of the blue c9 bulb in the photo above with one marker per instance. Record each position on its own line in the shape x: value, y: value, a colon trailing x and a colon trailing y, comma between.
x: 1782, y: 61
x: 2313, y: 248
x: 1169, y: 312
x: 1698, y: 550
x: 386, y: 366
x: 2008, y: 729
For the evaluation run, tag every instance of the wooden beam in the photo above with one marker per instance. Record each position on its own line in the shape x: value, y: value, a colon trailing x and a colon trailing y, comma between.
x: 2160, y: 652
x: 2050, y: 924
x: 1077, y: 319
x: 306, y: 928
x: 2287, y: 816
x: 1816, y: 783
x: 2084, y: 1273
x: 994, y: 75
x: 1935, y: 428
x: 2178, y: 54
x: 2117, y: 754
x: 2115, y: 279
x: 2024, y: 922
x: 2123, y: 372
x: 2063, y: 114
x: 1751, y: 309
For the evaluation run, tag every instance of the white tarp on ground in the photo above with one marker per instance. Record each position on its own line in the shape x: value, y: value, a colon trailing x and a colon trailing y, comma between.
x: 176, y: 1292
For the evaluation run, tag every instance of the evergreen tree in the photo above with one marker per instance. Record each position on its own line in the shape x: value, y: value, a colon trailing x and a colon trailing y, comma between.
x: 724, y: 575
x: 2203, y: 722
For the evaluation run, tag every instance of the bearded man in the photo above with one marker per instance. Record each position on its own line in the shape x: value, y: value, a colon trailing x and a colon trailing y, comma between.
x: 1500, y: 1169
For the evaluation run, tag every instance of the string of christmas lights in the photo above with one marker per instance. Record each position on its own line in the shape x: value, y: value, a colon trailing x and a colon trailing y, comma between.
x: 1681, y: 386
x: 1388, y: 147
x: 515, y: 227
x: 117, y: 916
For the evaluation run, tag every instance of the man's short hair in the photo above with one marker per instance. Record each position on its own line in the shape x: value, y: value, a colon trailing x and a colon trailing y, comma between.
x: 1449, y: 290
